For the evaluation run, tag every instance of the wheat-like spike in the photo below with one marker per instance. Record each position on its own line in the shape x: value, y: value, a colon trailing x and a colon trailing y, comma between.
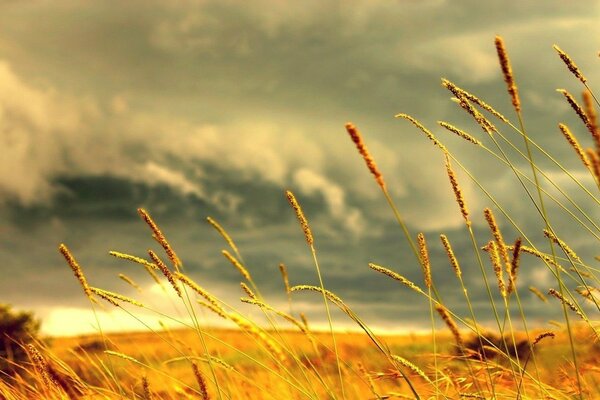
x: 301, y: 218
x: 330, y: 295
x: 474, y: 99
x: 508, y: 73
x: 153, y: 275
x: 123, y: 356
x: 166, y: 272
x: 566, y: 301
x: 514, y: 266
x: 538, y: 254
x: 542, y: 336
x: 463, y: 101
x: 457, y: 191
x: 424, y: 256
x: 135, y: 259
x: 570, y: 64
x: 41, y: 366
x: 269, y: 343
x: 451, y: 256
x: 594, y: 161
x: 450, y: 323
x: 575, y: 144
x: 223, y: 233
x: 111, y: 297
x: 587, y: 293
x: 130, y: 282
x: 590, y: 111
x: 491, y: 220
x: 160, y: 238
x: 248, y: 291
x: 243, y: 271
x: 578, y: 110
x: 186, y: 280
x: 287, y: 317
x: 216, y: 309
x: 404, y: 362
x: 395, y: 276
x: 201, y: 382
x: 495, y: 259
x: 146, y: 387
x: 285, y: 277
x: 426, y: 131
x: 550, y: 235
x: 459, y: 132
x: 364, y: 152
x: 76, y: 269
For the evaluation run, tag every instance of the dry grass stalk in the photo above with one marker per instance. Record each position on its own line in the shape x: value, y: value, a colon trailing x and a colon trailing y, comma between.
x: 395, y: 276
x: 578, y: 110
x: 424, y: 256
x: 160, y: 238
x: 135, y: 259
x: 426, y: 131
x: 574, y: 144
x: 542, y: 336
x: 457, y: 192
x: 243, y: 271
x: 566, y: 301
x: 451, y: 256
x: 495, y: 259
x: 248, y: 291
x: 550, y: 235
x: 463, y: 101
x: 223, y: 233
x: 570, y: 64
x: 502, y: 249
x: 130, y: 282
x: 111, y: 297
x: 364, y: 152
x: 76, y: 269
x: 514, y: 266
x: 301, y: 218
x: 445, y: 314
x: 201, y: 382
x: 508, y: 73
x: 285, y: 277
x: 166, y: 272
x: 146, y: 388
x: 186, y: 280
x: 404, y: 362
x: 459, y: 132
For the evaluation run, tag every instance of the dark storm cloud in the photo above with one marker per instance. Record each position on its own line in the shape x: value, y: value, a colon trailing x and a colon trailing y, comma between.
x: 206, y: 108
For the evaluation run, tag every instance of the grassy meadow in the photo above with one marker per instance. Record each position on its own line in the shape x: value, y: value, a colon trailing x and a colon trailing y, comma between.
x: 460, y: 357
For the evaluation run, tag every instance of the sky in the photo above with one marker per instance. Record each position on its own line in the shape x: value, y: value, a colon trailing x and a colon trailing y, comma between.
x: 214, y: 108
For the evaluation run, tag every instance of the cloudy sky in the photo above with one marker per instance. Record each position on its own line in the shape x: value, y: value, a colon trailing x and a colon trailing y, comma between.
x: 214, y: 108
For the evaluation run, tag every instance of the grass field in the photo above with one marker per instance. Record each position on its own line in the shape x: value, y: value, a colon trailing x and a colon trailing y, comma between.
x: 284, y: 358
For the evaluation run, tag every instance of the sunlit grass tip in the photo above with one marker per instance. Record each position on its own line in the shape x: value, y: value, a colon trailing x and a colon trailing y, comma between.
x: 301, y: 218
x: 507, y: 72
x: 364, y: 152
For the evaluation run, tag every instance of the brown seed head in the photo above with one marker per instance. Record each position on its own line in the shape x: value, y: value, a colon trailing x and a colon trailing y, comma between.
x: 566, y: 302
x: 550, y: 235
x: 457, y: 192
x: 301, y: 218
x: 424, y: 256
x: 578, y: 110
x: 542, y: 336
x: 364, y: 152
x: 166, y: 272
x: 463, y: 101
x: 445, y: 314
x: 160, y: 238
x: 491, y: 220
x: 570, y: 64
x: 76, y: 269
x: 575, y: 144
x: 201, y: 382
x: 508, y: 73
x: 248, y: 291
x: 514, y: 266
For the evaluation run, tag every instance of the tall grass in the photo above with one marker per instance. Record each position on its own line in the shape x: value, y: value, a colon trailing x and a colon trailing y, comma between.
x: 461, y: 358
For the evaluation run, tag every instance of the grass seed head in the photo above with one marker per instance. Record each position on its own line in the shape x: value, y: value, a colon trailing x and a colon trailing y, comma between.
x: 459, y: 132
x: 426, y: 131
x: 76, y: 269
x: 575, y: 144
x: 451, y: 256
x: 450, y: 323
x: 301, y: 218
x: 160, y: 238
x: 166, y: 272
x: 243, y: 271
x: 508, y: 73
x: 364, y: 152
x: 424, y: 256
x: 570, y: 64
x: 457, y: 191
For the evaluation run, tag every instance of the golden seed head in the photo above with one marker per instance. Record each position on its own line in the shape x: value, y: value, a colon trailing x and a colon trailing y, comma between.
x: 121, y: 355
x: 243, y: 271
x: 186, y: 280
x: 395, y: 276
x: 459, y: 132
x: 223, y: 233
x: 129, y: 257
x: 538, y: 293
x: 424, y: 256
x: 508, y: 73
x: 248, y: 291
x: 201, y: 382
x: 112, y: 297
x: 76, y: 269
x: 160, y: 238
x: 463, y: 101
x: 495, y: 259
x: 330, y: 295
x: 166, y: 272
x: 404, y: 362
x: 578, y: 110
x: 301, y: 218
x: 575, y: 144
x: 146, y: 386
x: 457, y: 192
x: 550, y: 235
x: 566, y: 302
x: 130, y: 282
x: 570, y: 64
x: 426, y: 131
x: 592, y: 155
x: 542, y: 336
x: 41, y: 366
x: 285, y: 277
x: 450, y: 323
x: 364, y: 152
x: 503, y: 253
x: 453, y: 260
